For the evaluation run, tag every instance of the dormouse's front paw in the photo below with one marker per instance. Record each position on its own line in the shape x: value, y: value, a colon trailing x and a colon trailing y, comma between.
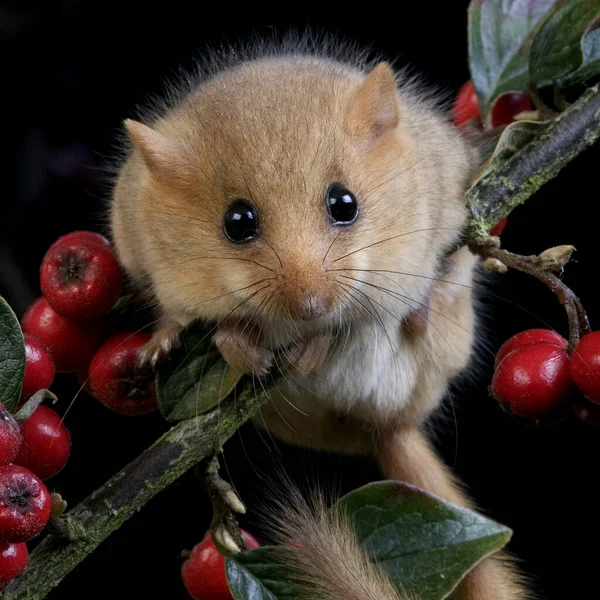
x: 240, y: 347
x: 307, y: 355
x: 159, y: 347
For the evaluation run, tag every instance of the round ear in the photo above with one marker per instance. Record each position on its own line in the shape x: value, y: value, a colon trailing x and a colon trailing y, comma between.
x: 165, y: 158
x: 374, y: 109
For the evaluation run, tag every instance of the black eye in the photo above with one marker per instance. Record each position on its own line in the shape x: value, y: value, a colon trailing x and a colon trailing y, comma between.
x: 241, y: 222
x: 341, y: 205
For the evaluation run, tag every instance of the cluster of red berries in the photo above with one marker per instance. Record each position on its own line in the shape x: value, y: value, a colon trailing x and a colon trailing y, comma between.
x: 29, y: 453
x: 536, y: 378
x: 203, y: 571
x: 506, y: 108
x: 81, y: 280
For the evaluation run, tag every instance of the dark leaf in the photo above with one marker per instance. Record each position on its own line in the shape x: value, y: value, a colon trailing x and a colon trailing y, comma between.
x: 556, y: 50
x: 195, y: 379
x: 500, y: 37
x: 590, y: 64
x: 122, y: 305
x: 12, y: 357
x: 260, y: 575
x: 425, y: 544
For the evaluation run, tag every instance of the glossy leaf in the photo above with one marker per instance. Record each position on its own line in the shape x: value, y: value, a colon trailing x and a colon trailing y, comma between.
x: 12, y: 357
x: 590, y: 59
x: 557, y: 50
x: 425, y: 544
x: 195, y: 379
x: 500, y: 37
x: 260, y: 575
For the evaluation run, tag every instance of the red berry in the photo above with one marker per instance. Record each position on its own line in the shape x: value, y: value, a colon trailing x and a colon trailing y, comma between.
x: 203, y: 573
x: 508, y: 106
x: 466, y: 106
x: 81, y: 279
x: 71, y: 343
x: 530, y: 336
x: 89, y: 236
x: 498, y: 228
x: 116, y: 378
x: 24, y: 504
x: 13, y: 560
x: 46, y: 444
x: 533, y: 381
x: 585, y: 366
x: 39, y: 368
x: 10, y: 437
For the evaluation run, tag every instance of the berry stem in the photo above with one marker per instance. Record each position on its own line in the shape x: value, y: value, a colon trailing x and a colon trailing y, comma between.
x: 534, y: 265
x: 32, y: 404
x: 221, y: 493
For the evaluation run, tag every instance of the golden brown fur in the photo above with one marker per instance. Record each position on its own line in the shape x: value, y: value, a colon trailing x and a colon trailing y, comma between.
x: 394, y: 321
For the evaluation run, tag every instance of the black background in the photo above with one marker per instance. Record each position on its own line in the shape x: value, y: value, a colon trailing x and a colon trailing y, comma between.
x: 71, y: 73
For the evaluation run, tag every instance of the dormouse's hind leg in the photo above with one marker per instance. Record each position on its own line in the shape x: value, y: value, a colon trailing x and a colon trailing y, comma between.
x: 407, y: 455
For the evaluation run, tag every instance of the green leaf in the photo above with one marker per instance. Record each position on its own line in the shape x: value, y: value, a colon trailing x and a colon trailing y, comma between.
x: 12, y: 357
x: 195, y: 379
x: 260, y: 575
x: 500, y: 37
x: 590, y: 59
x: 122, y: 305
x: 425, y: 544
x: 556, y: 50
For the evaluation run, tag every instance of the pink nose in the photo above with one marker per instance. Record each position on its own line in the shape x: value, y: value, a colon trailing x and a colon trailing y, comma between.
x: 310, y: 306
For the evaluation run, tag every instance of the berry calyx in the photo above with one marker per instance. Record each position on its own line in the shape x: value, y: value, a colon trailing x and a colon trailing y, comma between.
x: 508, y: 106
x: 530, y: 336
x: 39, y: 367
x: 466, y: 105
x: 71, y: 343
x: 46, y: 443
x: 24, y: 504
x: 10, y: 437
x: 585, y: 366
x: 117, y: 379
x: 203, y: 572
x: 533, y: 381
x: 498, y: 228
x: 81, y: 279
x: 13, y: 560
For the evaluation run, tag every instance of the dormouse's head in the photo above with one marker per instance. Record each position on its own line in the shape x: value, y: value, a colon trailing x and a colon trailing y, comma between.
x: 295, y: 191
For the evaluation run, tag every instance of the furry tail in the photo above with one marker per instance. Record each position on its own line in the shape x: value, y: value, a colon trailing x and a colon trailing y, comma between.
x: 329, y: 564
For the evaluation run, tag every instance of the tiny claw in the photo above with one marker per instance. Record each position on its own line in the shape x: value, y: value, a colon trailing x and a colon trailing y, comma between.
x: 223, y: 538
x: 234, y: 502
x: 163, y: 341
